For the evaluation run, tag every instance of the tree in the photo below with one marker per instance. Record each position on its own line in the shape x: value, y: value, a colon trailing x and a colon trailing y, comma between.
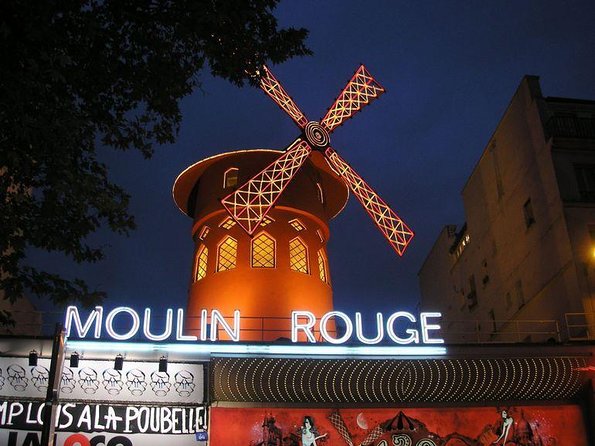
x: 77, y: 75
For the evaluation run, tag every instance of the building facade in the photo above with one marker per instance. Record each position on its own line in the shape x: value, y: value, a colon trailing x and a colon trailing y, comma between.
x: 522, y: 267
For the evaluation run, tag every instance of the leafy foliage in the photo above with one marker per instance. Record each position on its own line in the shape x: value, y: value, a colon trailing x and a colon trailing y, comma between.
x: 79, y: 75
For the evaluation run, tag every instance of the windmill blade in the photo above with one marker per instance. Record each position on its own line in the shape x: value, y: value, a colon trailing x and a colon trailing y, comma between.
x: 392, y: 227
x: 249, y: 204
x: 273, y: 88
x: 359, y: 91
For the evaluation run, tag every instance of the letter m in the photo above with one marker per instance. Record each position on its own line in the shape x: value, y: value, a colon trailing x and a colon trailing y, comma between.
x: 74, y: 318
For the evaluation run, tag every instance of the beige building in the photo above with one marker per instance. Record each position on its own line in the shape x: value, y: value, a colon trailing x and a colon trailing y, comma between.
x: 522, y: 267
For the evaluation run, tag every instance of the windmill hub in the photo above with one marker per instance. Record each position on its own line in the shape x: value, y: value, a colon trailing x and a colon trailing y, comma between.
x: 316, y: 135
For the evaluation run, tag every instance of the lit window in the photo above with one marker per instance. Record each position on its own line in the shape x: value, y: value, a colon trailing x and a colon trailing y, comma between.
x: 297, y: 225
x: 265, y: 221
x: 230, y: 178
x: 263, y: 251
x: 227, y: 254
x: 227, y: 223
x: 320, y: 236
x: 585, y: 178
x: 204, y: 232
x: 201, y: 263
x: 322, y: 271
x: 298, y: 256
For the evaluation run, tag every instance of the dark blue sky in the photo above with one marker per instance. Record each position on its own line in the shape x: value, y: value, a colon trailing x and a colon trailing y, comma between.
x: 449, y: 68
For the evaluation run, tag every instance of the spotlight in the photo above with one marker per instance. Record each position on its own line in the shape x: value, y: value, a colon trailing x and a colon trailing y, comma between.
x: 74, y: 360
x: 163, y: 364
x: 32, y: 358
x: 118, y: 362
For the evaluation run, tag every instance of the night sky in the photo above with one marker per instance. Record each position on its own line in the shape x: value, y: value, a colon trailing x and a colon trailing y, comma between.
x: 450, y: 69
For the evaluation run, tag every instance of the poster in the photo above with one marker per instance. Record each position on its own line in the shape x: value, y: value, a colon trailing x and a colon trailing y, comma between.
x: 104, y: 424
x: 137, y: 382
x: 448, y: 426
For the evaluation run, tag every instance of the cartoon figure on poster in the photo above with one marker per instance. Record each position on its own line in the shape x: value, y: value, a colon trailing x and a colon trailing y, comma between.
x: 271, y: 433
x: 505, y: 427
x: 309, y: 432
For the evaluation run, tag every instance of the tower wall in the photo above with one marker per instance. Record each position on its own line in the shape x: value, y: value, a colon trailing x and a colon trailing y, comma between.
x: 282, y: 267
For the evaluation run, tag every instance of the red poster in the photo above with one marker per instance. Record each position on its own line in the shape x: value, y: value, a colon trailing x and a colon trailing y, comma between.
x: 468, y: 426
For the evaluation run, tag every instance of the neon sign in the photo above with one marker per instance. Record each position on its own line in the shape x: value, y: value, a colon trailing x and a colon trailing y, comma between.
x: 302, y: 323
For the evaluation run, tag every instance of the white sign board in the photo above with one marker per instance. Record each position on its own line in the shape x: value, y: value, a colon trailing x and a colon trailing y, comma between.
x: 137, y: 382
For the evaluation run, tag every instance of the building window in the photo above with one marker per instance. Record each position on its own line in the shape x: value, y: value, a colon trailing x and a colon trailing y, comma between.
x: 585, y: 178
x: 492, y: 316
x: 297, y: 225
x: 204, y: 232
x: 227, y: 254
x: 472, y: 295
x: 266, y: 221
x: 320, y: 236
x: 230, y: 178
x: 322, y: 269
x: 520, y: 297
x: 228, y: 223
x: 528, y: 213
x: 201, y: 263
x: 263, y: 251
x: 298, y: 256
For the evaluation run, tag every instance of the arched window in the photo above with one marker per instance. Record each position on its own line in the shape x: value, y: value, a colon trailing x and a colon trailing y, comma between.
x: 201, y: 263
x: 263, y: 251
x: 230, y: 177
x: 298, y: 256
x: 227, y: 254
x: 322, y: 268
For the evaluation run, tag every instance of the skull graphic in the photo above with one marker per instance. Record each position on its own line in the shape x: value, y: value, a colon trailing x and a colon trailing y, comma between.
x: 67, y: 382
x: 160, y: 383
x: 184, y: 383
x: 88, y: 380
x: 40, y: 377
x: 112, y: 381
x: 16, y: 377
x: 135, y: 381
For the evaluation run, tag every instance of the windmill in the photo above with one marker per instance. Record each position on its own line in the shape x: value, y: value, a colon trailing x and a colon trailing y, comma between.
x: 261, y: 219
x: 250, y: 203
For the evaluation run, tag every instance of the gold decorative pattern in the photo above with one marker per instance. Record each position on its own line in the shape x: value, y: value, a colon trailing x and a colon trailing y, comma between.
x: 227, y: 254
x: 263, y: 251
x: 298, y: 256
x: 322, y: 271
x: 201, y: 263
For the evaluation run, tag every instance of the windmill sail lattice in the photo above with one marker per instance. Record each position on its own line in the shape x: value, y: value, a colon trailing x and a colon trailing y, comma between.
x: 250, y: 203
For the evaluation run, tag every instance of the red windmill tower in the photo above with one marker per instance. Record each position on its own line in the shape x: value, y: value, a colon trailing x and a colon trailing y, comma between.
x: 266, y: 255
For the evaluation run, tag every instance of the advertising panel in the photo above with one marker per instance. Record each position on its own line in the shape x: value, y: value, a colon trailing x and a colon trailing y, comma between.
x: 106, y: 425
x: 137, y: 382
x: 463, y: 426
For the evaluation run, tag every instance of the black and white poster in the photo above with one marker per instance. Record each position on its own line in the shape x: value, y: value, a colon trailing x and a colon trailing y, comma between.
x: 98, y: 424
x: 137, y: 382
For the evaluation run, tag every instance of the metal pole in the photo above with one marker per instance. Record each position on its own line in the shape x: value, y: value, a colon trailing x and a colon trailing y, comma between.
x: 55, y: 377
